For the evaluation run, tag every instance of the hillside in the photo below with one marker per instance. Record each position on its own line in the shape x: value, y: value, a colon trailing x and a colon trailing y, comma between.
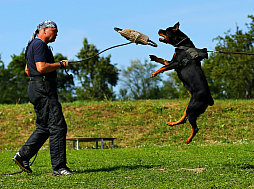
x: 135, y: 123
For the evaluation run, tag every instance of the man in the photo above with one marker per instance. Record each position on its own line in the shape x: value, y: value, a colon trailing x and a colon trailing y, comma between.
x: 42, y: 92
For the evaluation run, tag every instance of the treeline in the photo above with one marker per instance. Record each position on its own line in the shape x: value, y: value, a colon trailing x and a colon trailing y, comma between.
x: 229, y: 76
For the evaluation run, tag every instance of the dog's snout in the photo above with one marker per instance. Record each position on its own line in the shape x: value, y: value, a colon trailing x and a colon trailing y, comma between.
x: 161, y: 32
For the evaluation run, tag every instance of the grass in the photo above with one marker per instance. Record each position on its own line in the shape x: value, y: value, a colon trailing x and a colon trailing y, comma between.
x: 135, y: 123
x: 147, y: 153
x: 175, y: 166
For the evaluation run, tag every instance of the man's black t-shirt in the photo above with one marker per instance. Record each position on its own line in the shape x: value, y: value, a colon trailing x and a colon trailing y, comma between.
x: 38, y: 51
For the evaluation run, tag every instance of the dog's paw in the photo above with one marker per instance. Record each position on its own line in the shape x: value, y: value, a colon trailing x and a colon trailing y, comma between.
x: 153, y: 75
x: 153, y: 57
x: 171, y: 124
x: 188, y: 141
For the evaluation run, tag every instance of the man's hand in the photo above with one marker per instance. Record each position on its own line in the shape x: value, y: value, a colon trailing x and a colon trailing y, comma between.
x: 64, y: 63
x: 27, y: 70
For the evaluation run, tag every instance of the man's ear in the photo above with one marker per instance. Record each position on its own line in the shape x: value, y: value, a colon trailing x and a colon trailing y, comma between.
x: 44, y: 30
x: 176, y: 26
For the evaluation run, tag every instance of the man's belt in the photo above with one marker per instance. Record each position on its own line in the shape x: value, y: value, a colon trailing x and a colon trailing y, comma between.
x: 41, y: 78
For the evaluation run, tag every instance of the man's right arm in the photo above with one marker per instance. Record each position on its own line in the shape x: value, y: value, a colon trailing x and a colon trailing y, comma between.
x: 44, y: 67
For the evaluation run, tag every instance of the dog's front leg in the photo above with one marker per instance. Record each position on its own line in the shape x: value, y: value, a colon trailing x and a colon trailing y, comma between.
x: 161, y: 70
x: 170, y: 66
x: 159, y: 60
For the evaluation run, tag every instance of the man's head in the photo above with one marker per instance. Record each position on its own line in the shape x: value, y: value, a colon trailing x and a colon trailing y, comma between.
x: 47, y: 24
x: 47, y: 31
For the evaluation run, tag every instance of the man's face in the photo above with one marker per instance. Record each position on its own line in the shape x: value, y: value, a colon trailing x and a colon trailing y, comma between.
x: 51, y: 34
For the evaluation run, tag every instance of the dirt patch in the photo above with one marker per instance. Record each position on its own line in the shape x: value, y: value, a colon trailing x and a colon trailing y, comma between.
x: 196, y: 170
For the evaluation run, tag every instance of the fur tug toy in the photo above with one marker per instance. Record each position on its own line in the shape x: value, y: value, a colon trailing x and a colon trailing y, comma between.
x: 135, y: 36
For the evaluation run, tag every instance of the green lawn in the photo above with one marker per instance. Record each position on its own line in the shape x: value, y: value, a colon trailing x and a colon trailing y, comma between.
x: 148, y: 153
x: 176, y: 166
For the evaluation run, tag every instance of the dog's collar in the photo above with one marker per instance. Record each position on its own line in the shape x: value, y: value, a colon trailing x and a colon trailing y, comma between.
x: 181, y: 41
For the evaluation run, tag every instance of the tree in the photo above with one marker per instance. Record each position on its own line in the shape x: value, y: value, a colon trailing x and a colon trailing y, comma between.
x: 17, y: 80
x: 232, y: 76
x: 5, y: 97
x: 137, y: 83
x: 172, y: 87
x: 97, y: 76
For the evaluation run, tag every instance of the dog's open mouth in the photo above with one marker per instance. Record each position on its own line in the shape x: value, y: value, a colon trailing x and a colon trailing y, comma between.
x: 163, y: 36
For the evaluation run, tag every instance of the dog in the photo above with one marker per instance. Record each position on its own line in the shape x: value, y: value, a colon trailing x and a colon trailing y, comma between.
x: 186, y: 62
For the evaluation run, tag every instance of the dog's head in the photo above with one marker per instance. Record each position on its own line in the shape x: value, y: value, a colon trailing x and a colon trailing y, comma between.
x: 172, y: 35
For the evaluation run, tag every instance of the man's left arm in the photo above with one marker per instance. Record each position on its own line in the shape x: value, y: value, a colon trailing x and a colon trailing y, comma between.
x: 27, y: 71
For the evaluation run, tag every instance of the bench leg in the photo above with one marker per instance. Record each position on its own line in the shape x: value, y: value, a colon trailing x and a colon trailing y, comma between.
x: 77, y: 144
x: 73, y: 144
x: 101, y: 143
x: 96, y: 144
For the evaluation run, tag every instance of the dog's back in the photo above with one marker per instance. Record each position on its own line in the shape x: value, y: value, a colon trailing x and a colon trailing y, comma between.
x: 193, y: 77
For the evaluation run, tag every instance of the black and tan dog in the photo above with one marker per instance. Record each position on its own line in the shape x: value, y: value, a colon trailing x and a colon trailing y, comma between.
x: 186, y: 62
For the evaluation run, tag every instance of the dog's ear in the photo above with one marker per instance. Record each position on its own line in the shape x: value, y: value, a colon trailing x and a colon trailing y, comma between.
x: 176, y: 26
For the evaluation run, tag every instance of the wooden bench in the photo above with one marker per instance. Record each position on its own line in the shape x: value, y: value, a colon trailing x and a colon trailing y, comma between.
x: 90, y: 139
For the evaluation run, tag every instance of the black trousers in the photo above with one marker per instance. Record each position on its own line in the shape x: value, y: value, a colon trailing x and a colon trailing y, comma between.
x: 50, y: 123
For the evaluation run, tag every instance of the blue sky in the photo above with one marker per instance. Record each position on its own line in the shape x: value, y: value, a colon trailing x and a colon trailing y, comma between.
x: 201, y: 20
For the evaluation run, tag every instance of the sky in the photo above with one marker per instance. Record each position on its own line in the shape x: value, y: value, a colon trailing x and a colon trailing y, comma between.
x: 201, y: 20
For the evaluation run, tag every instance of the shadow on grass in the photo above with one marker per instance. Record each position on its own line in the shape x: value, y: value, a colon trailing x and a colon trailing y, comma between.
x: 115, y: 168
x: 245, y: 166
x: 241, y: 166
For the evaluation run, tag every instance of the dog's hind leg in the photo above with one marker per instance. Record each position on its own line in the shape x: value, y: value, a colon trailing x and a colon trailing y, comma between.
x: 181, y: 120
x: 193, y: 122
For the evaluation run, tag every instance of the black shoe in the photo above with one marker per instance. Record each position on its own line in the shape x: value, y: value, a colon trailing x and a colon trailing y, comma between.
x: 63, y: 171
x: 23, y: 164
